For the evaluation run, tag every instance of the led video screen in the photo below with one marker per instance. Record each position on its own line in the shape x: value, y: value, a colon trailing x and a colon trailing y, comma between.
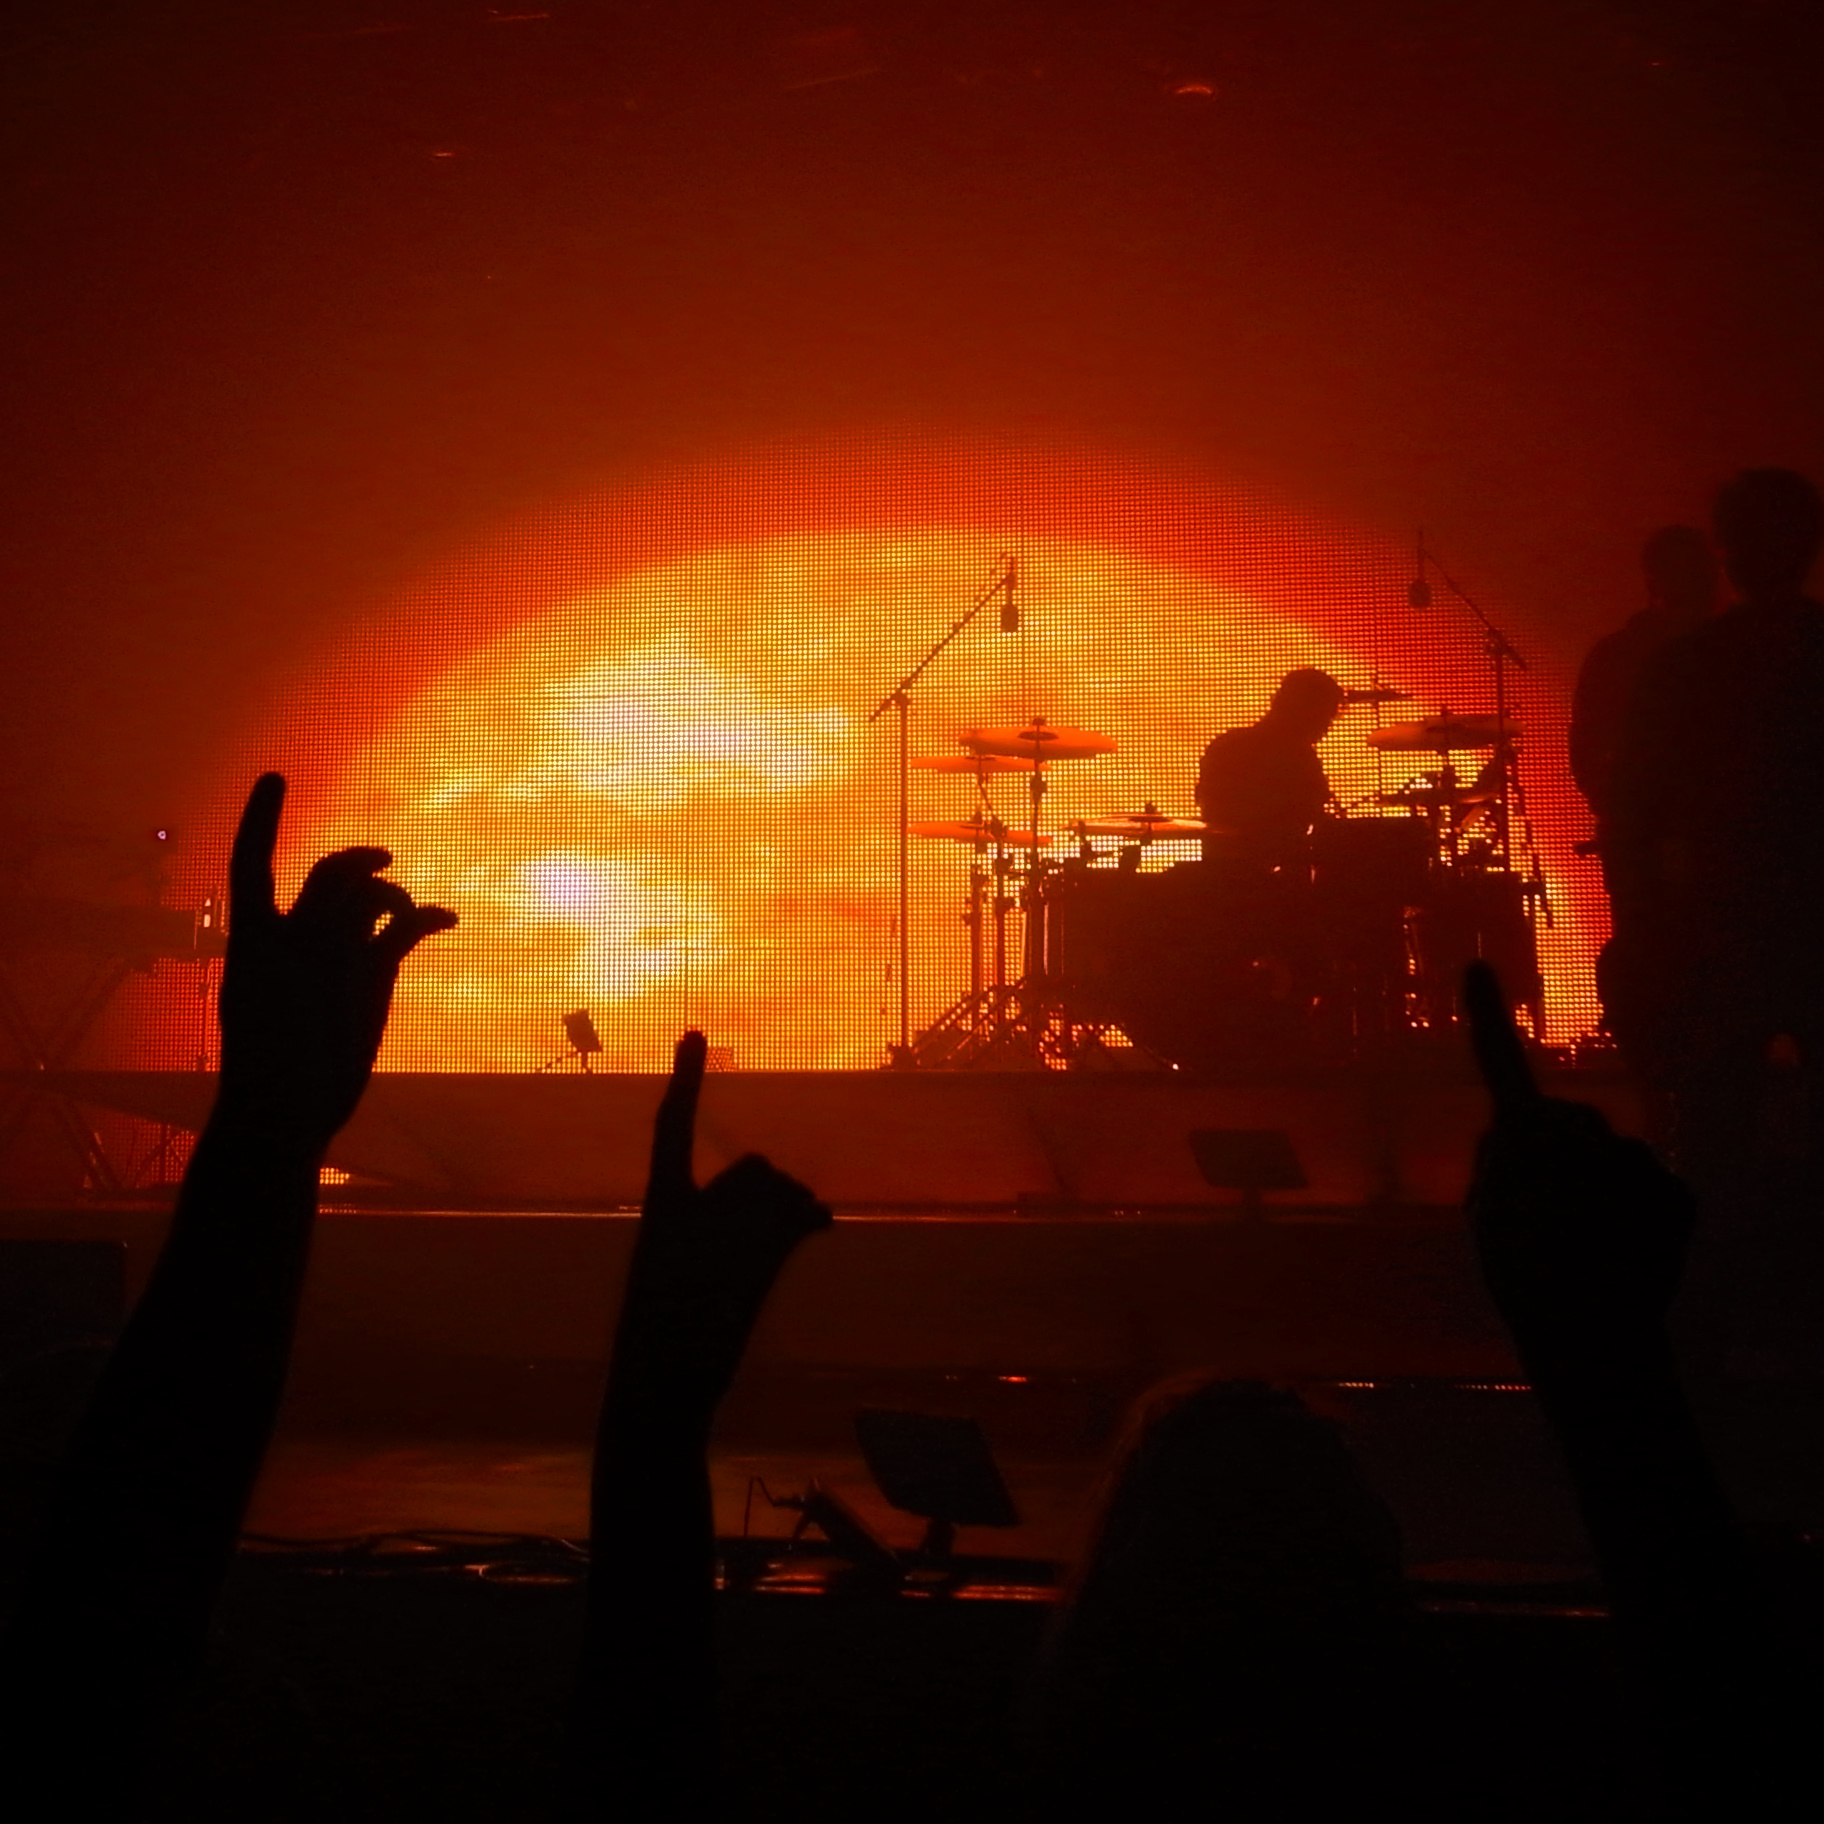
x: 636, y: 740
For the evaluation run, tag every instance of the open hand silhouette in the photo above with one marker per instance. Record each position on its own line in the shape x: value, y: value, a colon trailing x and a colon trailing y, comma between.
x: 305, y: 993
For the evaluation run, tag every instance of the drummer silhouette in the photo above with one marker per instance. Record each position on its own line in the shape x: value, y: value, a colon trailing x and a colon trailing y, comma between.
x: 1261, y: 787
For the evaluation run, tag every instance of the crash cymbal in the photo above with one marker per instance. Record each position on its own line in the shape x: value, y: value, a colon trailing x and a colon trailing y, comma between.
x: 979, y: 765
x: 1039, y: 741
x: 1381, y: 693
x: 1440, y: 734
x: 977, y: 833
x: 1155, y: 828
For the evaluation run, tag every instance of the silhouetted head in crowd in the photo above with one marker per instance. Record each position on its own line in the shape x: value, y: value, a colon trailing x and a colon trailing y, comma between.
x: 1305, y: 702
x: 1768, y: 524
x: 1680, y: 568
x: 1234, y: 1631
x: 1232, y: 1498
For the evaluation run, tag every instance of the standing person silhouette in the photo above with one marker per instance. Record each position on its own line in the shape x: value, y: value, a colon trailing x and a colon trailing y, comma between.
x: 1680, y: 570
x: 1714, y: 849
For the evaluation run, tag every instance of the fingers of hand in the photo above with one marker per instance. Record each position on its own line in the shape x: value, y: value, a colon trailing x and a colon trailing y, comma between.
x: 1496, y: 1041
x: 1562, y: 1150
x: 342, y: 894
x: 409, y: 927
x: 754, y: 1186
x: 674, y: 1131
x: 250, y: 885
x: 1652, y: 1187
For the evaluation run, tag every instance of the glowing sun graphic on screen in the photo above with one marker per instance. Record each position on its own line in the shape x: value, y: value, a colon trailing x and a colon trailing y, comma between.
x: 662, y: 798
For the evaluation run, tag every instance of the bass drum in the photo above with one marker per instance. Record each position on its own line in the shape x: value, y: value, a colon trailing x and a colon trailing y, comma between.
x: 1202, y: 970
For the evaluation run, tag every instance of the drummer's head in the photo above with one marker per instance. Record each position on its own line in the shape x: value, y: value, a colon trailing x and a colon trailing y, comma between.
x: 1308, y: 700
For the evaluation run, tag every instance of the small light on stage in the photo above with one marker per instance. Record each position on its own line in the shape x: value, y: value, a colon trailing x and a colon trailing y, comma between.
x: 1013, y: 1380
x: 161, y: 835
x: 1193, y: 90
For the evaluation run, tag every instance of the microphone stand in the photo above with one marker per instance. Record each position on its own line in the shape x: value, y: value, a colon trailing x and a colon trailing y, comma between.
x: 899, y: 699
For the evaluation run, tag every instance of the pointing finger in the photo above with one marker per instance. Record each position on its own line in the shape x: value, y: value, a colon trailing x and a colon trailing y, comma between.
x: 674, y: 1133
x: 1496, y: 1042
x: 251, y: 895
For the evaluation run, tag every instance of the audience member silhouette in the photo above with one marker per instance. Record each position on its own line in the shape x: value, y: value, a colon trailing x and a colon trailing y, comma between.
x: 642, y: 1735
x: 146, y: 1514
x: 1236, y: 1624
x: 1582, y: 1238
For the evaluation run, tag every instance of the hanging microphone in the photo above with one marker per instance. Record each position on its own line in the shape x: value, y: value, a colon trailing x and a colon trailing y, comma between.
x: 1010, y: 608
x: 1418, y: 591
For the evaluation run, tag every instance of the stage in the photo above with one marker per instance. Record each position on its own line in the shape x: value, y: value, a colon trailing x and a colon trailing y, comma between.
x: 1035, y: 1224
x: 1376, y: 1136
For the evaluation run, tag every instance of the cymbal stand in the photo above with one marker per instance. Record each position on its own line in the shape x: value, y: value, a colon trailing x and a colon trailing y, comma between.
x: 1501, y: 653
x: 899, y: 699
x: 1511, y: 801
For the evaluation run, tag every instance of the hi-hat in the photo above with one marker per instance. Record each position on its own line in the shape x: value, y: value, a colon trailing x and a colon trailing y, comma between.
x: 1440, y: 734
x: 1039, y: 741
x: 978, y: 832
x: 978, y: 764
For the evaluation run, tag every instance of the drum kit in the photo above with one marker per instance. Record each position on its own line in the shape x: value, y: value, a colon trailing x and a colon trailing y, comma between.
x: 1199, y: 966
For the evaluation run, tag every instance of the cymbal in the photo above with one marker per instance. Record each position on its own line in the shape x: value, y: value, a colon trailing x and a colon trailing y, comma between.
x: 977, y: 833
x: 1143, y: 828
x: 978, y: 764
x: 1039, y: 741
x: 1439, y: 734
x: 1381, y: 693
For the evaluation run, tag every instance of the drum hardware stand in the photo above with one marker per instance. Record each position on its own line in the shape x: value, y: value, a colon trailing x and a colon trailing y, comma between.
x: 1501, y: 654
x: 988, y: 898
x: 1511, y: 801
x: 900, y: 1055
x: 1022, y: 1020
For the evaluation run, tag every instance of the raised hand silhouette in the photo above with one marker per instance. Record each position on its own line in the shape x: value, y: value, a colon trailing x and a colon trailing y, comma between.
x: 1580, y: 1231
x: 146, y: 1516
x: 1582, y: 1236
x: 642, y: 1736
x: 305, y: 993
x: 707, y: 1255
